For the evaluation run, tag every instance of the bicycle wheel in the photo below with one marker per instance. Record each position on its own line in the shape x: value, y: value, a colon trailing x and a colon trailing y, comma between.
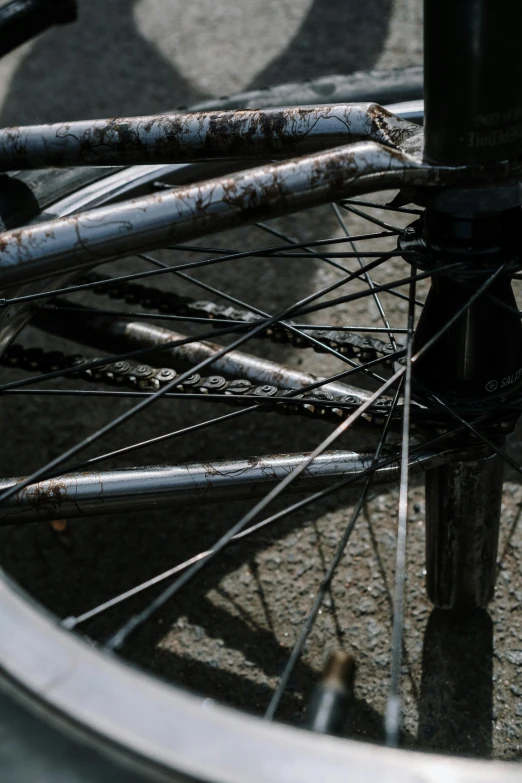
x: 149, y: 724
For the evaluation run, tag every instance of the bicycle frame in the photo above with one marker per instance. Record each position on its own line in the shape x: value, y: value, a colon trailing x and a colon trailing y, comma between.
x: 82, y: 240
x: 382, y: 152
x: 379, y: 150
x: 455, y: 138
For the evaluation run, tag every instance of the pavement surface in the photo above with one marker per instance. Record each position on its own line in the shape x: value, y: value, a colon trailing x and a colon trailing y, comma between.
x: 231, y: 635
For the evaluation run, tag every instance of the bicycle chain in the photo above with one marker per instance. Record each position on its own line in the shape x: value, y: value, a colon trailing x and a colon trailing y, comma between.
x: 347, y: 343
x: 318, y: 403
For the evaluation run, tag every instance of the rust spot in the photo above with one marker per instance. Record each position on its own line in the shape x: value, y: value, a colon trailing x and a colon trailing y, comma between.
x: 44, y: 496
x: 59, y: 525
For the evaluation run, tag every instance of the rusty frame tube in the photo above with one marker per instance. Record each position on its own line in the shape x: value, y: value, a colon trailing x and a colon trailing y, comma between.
x: 130, y: 489
x: 86, y: 239
x: 275, y: 189
x: 167, y: 138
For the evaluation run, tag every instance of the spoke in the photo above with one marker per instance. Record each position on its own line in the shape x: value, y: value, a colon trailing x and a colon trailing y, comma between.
x: 147, y: 315
x: 216, y: 398
x: 267, y: 252
x: 72, y: 622
x: 290, y: 326
x: 371, y: 218
x: 261, y: 406
x: 344, y: 254
x: 367, y: 276
x: 393, y: 706
x: 308, y: 243
x: 271, y: 230
x: 167, y: 436
x: 265, y: 227
x: 400, y: 295
x: 378, y: 289
x: 327, y: 579
x: 374, y: 205
x: 263, y: 324
x: 119, y: 638
x: 71, y: 307
x: 478, y: 434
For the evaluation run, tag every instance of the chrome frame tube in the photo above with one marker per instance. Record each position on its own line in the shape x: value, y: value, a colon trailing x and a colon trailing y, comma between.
x: 275, y: 189
x: 131, y: 489
x: 69, y: 243
x: 175, y: 138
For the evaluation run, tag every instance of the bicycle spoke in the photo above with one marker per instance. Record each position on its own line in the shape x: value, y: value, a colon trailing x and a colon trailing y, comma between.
x: 329, y: 575
x: 268, y: 252
x: 375, y: 205
x: 477, y: 433
x: 119, y: 638
x: 66, y: 307
x: 344, y: 254
x: 393, y: 706
x: 291, y: 241
x: 367, y: 276
x: 166, y: 436
x: 370, y: 218
x: 71, y: 622
x: 265, y: 227
x: 290, y: 326
x: 378, y: 288
x: 147, y: 315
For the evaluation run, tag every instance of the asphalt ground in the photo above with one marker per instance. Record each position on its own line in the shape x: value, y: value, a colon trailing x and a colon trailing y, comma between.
x: 230, y: 636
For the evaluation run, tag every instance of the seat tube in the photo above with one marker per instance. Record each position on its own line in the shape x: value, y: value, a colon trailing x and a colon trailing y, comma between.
x: 472, y: 81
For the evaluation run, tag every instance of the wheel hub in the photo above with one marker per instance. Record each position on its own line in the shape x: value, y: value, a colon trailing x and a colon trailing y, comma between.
x: 477, y: 359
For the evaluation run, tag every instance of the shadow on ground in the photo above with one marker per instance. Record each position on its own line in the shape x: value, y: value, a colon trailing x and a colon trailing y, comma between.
x: 103, y: 66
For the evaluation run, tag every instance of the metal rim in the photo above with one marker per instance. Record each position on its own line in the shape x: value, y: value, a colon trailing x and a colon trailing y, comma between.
x: 193, y: 736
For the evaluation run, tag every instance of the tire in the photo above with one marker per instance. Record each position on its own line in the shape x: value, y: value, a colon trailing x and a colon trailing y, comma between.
x: 79, y: 739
